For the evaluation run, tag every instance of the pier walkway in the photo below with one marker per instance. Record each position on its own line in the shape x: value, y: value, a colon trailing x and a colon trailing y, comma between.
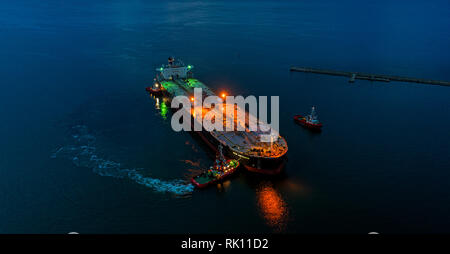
x: 372, y: 77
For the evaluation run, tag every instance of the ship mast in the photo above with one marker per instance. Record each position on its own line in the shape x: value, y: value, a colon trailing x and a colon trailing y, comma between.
x: 313, y: 115
x: 220, y: 159
x: 171, y: 60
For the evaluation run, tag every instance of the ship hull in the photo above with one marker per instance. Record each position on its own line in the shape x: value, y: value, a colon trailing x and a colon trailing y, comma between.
x: 261, y: 165
x: 155, y: 91
x: 268, y: 166
x: 302, y: 121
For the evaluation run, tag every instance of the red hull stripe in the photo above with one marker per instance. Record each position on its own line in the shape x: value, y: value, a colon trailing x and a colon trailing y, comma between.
x: 300, y: 119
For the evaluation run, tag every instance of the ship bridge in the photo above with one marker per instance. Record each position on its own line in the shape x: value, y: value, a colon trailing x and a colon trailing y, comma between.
x: 175, y: 70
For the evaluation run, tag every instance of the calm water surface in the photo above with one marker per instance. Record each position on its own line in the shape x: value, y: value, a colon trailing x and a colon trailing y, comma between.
x: 84, y: 148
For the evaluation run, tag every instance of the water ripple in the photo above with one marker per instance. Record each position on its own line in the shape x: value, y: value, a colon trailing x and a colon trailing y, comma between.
x: 82, y: 152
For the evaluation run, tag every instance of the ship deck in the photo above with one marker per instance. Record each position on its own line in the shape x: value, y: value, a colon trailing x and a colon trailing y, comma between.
x: 173, y: 88
x: 245, y: 142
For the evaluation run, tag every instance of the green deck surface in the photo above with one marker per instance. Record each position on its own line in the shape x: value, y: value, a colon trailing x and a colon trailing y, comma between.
x: 185, y: 87
x: 173, y: 88
x: 192, y: 83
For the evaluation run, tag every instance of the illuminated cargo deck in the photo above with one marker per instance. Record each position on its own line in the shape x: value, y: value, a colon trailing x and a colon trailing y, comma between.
x: 245, y: 142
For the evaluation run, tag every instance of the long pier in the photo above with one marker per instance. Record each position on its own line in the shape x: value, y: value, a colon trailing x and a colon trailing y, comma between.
x: 372, y: 77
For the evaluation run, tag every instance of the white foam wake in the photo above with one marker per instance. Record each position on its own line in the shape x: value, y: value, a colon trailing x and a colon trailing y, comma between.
x: 82, y: 152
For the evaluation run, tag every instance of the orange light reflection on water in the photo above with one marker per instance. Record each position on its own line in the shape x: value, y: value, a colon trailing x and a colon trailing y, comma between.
x: 273, y: 207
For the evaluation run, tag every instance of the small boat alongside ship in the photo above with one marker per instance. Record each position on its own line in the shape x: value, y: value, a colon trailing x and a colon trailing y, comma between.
x: 221, y: 169
x: 155, y: 90
x: 247, y: 147
x: 310, y: 121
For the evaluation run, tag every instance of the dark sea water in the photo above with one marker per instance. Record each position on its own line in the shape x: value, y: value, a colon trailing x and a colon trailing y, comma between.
x: 84, y: 148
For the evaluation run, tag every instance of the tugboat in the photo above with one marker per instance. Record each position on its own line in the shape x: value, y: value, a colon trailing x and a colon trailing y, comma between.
x: 221, y: 169
x: 156, y: 89
x: 310, y: 121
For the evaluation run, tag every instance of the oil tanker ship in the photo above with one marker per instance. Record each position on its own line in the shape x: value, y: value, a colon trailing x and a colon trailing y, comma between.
x: 176, y: 79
